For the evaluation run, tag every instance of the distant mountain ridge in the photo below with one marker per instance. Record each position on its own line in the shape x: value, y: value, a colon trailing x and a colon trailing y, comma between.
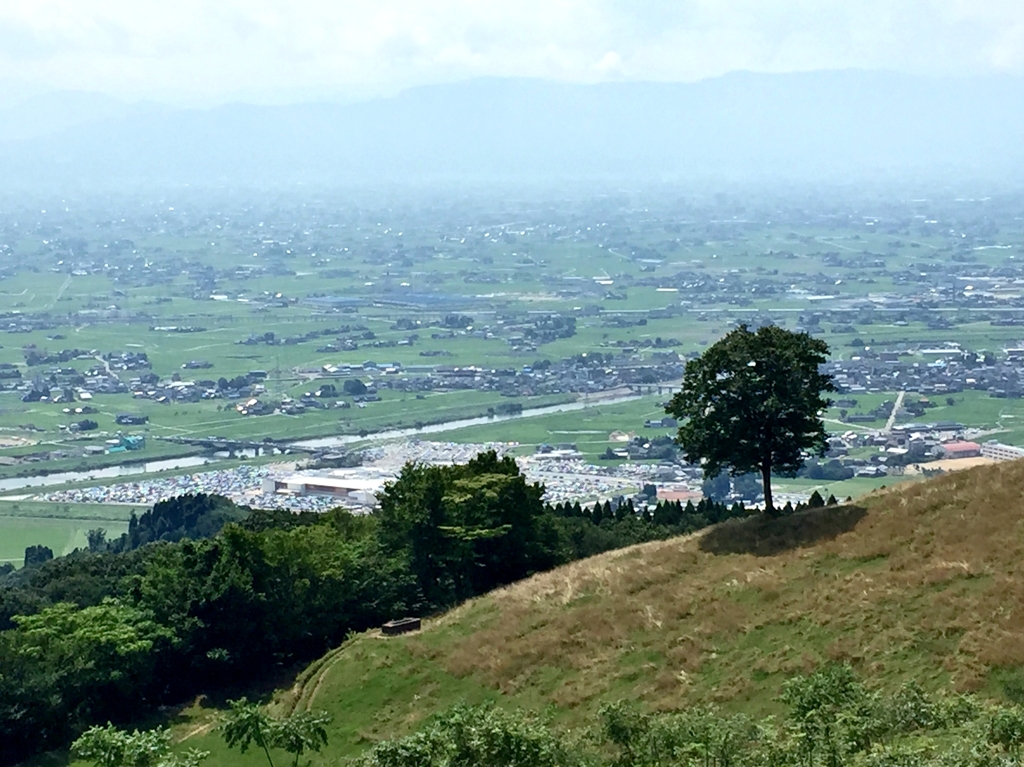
x: 836, y: 125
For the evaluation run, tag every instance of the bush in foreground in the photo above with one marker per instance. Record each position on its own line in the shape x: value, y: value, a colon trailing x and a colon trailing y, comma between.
x: 832, y: 720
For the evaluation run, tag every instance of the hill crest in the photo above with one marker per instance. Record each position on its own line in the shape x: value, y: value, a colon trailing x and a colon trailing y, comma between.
x: 917, y: 582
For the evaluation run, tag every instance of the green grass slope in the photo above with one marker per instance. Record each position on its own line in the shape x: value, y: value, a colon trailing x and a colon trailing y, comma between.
x: 924, y: 581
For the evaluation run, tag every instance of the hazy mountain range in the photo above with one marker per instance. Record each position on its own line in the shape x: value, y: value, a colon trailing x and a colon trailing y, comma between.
x: 820, y: 126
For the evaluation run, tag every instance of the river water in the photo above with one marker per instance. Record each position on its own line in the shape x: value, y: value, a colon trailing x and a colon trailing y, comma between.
x: 135, y: 469
x: 110, y: 472
x: 437, y: 428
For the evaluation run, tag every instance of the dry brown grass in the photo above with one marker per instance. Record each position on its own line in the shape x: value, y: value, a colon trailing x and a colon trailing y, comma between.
x: 951, y: 464
x: 924, y: 580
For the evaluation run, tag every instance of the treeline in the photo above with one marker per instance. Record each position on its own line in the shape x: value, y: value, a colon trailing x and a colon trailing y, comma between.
x: 109, y: 636
x: 831, y: 719
x: 84, y: 580
x: 586, y: 531
x: 200, y: 594
x: 187, y: 516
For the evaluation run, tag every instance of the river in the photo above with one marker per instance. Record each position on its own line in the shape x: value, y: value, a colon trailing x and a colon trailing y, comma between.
x: 438, y: 428
x: 109, y: 472
x: 13, y: 484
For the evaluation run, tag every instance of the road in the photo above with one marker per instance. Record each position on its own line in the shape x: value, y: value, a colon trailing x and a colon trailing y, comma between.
x: 60, y: 292
x: 895, y: 409
x: 106, y: 364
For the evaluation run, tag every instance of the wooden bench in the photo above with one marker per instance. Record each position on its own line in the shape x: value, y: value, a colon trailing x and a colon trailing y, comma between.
x: 401, y: 626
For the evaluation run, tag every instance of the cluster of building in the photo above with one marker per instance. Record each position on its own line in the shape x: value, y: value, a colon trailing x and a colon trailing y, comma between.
x: 563, y: 471
x: 882, y: 452
x: 942, y: 368
x: 581, y: 374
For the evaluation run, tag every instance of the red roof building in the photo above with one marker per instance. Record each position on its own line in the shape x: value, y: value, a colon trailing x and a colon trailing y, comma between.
x: 962, y: 449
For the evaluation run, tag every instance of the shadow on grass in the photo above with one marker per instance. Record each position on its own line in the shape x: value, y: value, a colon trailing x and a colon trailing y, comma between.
x: 763, y: 536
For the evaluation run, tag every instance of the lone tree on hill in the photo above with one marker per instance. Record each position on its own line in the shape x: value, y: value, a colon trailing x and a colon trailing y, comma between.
x: 752, y: 402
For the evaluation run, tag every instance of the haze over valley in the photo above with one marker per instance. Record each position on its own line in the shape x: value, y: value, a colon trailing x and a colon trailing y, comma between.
x: 822, y: 127
x: 514, y: 384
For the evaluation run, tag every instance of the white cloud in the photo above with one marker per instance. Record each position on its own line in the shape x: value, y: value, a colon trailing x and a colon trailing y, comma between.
x: 610, y: 64
x: 210, y: 50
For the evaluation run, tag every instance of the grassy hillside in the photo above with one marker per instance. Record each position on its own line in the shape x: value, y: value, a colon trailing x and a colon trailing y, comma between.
x: 923, y: 582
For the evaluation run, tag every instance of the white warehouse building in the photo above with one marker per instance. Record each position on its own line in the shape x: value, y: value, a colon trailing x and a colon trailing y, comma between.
x: 1000, y: 452
x: 351, y: 491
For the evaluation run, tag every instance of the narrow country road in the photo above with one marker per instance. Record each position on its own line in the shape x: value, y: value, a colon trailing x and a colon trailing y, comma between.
x: 895, y: 409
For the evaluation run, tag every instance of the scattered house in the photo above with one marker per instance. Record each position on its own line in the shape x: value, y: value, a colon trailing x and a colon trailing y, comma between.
x: 126, y: 442
x: 870, y: 471
x: 254, y: 407
x: 561, y: 451
x: 679, y: 495
x: 661, y: 423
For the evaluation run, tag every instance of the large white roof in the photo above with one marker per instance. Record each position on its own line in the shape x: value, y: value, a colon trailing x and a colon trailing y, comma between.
x: 339, y: 483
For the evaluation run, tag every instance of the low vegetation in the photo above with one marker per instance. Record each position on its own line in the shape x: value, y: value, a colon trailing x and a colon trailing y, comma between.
x: 910, y: 586
x: 908, y: 589
x: 200, y: 595
x: 830, y: 719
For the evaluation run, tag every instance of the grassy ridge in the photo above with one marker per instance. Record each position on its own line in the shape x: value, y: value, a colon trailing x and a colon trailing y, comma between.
x: 912, y: 583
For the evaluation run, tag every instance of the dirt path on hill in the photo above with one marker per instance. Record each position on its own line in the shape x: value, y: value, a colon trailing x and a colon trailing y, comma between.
x: 199, y: 729
x: 320, y: 680
x: 304, y: 691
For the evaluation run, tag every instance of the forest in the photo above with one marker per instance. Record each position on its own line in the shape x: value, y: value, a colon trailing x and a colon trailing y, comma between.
x: 200, y: 596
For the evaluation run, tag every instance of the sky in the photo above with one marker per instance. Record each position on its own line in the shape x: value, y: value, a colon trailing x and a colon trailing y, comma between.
x: 204, y: 52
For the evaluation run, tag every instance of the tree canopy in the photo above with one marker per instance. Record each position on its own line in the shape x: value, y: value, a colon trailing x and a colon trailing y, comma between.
x: 107, y: 635
x: 185, y: 516
x: 468, y: 528
x: 752, y: 402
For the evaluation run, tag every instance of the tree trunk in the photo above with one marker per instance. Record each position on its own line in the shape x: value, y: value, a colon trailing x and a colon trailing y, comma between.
x: 261, y: 741
x: 766, y: 479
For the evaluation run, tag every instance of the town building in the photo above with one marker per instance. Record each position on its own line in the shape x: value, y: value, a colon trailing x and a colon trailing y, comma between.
x: 1000, y: 452
x: 350, y: 490
x: 961, y: 449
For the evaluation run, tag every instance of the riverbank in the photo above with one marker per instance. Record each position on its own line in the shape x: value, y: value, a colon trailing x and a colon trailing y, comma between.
x: 130, y: 471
